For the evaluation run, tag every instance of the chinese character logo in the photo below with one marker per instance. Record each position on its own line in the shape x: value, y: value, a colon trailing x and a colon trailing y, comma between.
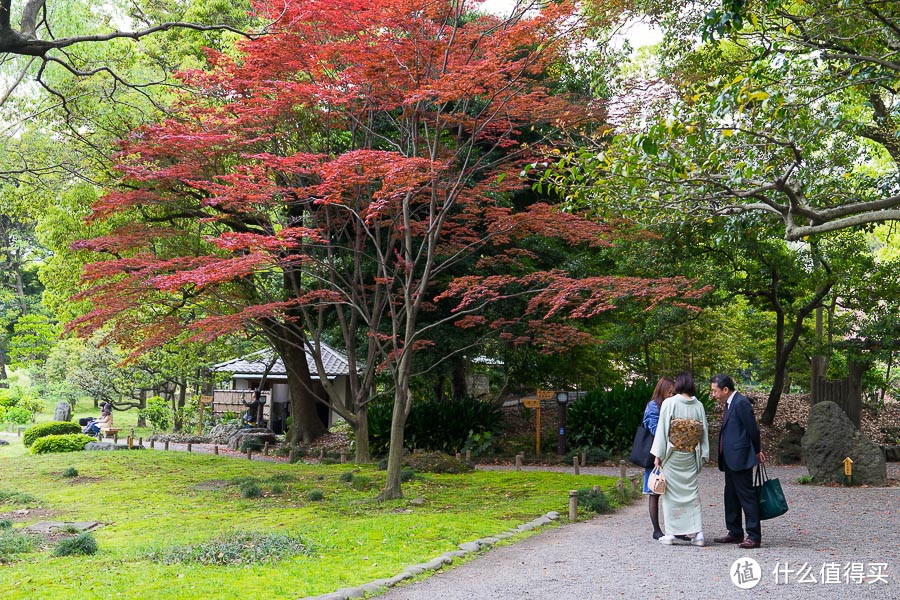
x: 745, y: 573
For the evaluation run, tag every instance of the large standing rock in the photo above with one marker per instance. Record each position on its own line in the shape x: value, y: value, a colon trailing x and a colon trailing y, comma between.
x: 830, y: 438
x: 261, y: 434
x: 63, y: 411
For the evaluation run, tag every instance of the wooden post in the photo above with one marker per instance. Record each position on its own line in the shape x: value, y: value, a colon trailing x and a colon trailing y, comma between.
x: 575, y: 464
x: 216, y: 449
x: 321, y: 453
x: 130, y: 441
x: 518, y: 462
x: 152, y: 443
x: 573, y: 505
x: 343, y: 458
x: 141, y: 442
x: 266, y: 448
x: 584, y: 459
x: 166, y: 447
x: 468, y: 456
x: 116, y: 438
x: 249, y: 453
x: 188, y: 446
x: 622, y: 472
x: 18, y: 431
x: 459, y: 456
x: 204, y: 400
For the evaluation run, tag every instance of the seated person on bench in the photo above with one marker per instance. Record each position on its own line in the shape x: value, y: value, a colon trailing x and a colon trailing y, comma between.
x: 105, y: 421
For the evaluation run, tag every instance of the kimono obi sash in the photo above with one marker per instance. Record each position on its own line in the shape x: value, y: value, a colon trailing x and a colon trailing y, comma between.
x: 685, y: 434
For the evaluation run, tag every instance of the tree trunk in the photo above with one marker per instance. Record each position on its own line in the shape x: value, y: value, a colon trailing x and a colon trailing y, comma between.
x: 361, y: 430
x: 306, y: 425
x: 3, y: 382
x: 768, y: 416
x: 392, y: 489
x: 141, y: 421
x: 458, y: 387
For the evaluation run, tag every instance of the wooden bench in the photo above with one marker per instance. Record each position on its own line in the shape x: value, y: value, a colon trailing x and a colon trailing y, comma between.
x: 109, y: 432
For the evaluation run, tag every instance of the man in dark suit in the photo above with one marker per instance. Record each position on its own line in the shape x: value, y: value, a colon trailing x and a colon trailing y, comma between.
x: 739, y: 452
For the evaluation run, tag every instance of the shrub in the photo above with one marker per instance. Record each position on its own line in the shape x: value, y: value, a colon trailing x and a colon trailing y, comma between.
x: 382, y: 464
x: 282, y: 477
x: 277, y: 489
x: 251, y: 443
x: 52, y: 428
x: 31, y: 404
x: 82, y: 544
x: 73, y: 442
x: 238, y: 548
x: 436, y: 462
x: 345, y: 477
x: 15, y: 542
x: 433, y: 425
x: 17, y: 414
x: 5, y: 524
x: 360, y: 482
x: 594, y: 500
x: 158, y: 412
x: 481, y: 444
x: 593, y: 455
x: 250, y: 489
x: 70, y: 472
x: 7, y: 398
x: 805, y: 479
x: 607, y: 419
x: 315, y: 495
x: 406, y: 474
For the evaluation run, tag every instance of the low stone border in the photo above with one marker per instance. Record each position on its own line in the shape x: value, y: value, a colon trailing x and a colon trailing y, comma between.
x: 436, y: 563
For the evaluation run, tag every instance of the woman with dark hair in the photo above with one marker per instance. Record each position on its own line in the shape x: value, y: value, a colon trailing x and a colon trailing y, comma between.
x: 665, y: 387
x: 680, y: 446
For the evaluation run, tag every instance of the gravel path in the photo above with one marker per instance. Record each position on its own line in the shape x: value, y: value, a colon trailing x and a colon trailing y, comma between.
x: 614, y: 556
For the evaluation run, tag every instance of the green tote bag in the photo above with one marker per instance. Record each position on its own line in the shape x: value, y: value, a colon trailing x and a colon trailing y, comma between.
x: 772, y: 502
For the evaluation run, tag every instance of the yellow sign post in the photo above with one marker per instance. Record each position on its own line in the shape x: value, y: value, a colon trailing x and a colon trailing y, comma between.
x: 203, y: 400
x: 535, y: 403
x: 848, y: 469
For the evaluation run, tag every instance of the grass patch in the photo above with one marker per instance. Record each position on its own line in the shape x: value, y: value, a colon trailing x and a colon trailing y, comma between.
x: 15, y: 542
x: 240, y: 548
x: 70, y: 472
x: 151, y: 500
x: 14, y: 497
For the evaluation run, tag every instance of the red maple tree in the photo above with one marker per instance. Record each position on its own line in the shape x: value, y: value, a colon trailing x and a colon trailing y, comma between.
x: 334, y: 176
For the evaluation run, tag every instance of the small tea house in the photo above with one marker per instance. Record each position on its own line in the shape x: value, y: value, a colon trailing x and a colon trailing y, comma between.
x: 247, y: 373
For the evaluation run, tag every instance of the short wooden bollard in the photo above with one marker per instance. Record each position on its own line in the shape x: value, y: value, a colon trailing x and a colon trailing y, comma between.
x: 115, y: 438
x: 141, y: 442
x: 468, y: 456
x: 584, y: 459
x: 518, y: 462
x: 130, y: 442
x: 249, y: 453
x: 152, y: 443
x: 575, y: 464
x: 459, y: 456
x: 620, y: 487
x: 188, y: 446
x: 266, y: 448
x: 132, y: 432
x: 343, y: 458
x: 18, y: 432
x: 167, y: 445
x: 622, y: 472
x: 573, y: 505
x: 216, y: 449
x: 321, y: 453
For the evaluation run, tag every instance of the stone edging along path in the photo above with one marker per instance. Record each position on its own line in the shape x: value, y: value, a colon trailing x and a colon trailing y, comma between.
x: 436, y: 563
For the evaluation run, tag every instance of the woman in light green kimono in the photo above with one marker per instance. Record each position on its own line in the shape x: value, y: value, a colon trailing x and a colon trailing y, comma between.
x: 680, y: 446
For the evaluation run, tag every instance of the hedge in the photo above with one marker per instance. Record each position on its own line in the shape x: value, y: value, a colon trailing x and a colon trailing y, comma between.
x: 73, y: 442
x: 52, y: 428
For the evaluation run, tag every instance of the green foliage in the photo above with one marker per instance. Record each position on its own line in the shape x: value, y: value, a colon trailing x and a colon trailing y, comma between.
x: 360, y: 482
x: 17, y: 414
x: 315, y: 495
x: 15, y: 542
x: 805, y: 479
x: 480, y: 444
x: 7, y: 398
x: 70, y: 472
x: 52, y: 428
x: 433, y: 425
x: 73, y: 442
x: 32, y: 404
x: 346, y: 477
x: 5, y: 524
x: 607, y: 418
x: 239, y: 548
x: 436, y: 462
x: 32, y: 339
x: 594, y: 500
x: 406, y: 474
x: 592, y: 455
x: 251, y: 443
x: 277, y: 489
x: 158, y: 412
x: 80, y: 545
x: 382, y: 464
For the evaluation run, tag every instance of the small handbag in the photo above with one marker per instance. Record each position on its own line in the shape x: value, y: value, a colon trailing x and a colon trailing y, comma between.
x: 772, y: 502
x: 656, y: 482
x: 640, y: 450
